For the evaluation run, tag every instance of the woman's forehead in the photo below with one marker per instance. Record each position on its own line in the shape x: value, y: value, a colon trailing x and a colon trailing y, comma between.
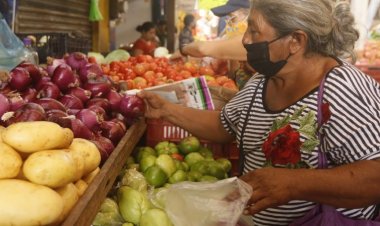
x: 257, y: 20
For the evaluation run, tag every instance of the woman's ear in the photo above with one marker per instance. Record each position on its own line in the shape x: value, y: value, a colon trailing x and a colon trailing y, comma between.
x: 298, y: 42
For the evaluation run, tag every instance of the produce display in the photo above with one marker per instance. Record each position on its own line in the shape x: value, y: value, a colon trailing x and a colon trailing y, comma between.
x: 370, y: 55
x: 150, y: 171
x: 74, y: 93
x: 145, y: 71
x: 43, y: 172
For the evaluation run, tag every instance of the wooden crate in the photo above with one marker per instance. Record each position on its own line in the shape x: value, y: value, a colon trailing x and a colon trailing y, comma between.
x: 88, y: 205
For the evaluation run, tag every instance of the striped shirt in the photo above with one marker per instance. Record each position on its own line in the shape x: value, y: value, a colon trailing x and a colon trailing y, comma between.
x: 351, y: 134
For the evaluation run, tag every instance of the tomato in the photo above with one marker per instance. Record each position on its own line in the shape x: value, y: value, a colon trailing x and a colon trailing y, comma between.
x: 139, y: 69
x: 140, y: 83
x: 92, y: 60
x: 149, y: 76
x: 130, y: 84
x: 190, y: 67
x: 185, y: 74
x: 178, y: 78
x: 153, y: 66
x: 221, y: 79
x: 177, y: 156
x: 155, y: 176
x: 206, y: 71
x: 230, y: 85
x: 189, y: 144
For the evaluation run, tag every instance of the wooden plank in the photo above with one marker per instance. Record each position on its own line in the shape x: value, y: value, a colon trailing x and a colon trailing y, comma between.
x: 170, y: 13
x: 87, y: 207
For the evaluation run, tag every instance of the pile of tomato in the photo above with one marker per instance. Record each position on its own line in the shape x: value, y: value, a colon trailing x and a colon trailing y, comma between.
x: 145, y: 71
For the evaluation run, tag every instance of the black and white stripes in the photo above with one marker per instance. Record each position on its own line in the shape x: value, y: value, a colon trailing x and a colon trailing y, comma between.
x: 351, y: 134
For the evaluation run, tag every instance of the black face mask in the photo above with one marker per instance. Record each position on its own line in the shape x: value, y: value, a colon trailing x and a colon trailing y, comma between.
x: 258, y: 58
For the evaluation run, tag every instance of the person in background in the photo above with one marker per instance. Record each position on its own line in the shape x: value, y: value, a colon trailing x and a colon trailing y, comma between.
x: 162, y: 32
x: 229, y: 46
x: 297, y: 48
x: 147, y: 42
x: 186, y: 35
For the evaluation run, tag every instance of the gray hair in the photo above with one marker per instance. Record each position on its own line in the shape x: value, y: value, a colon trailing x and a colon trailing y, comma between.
x: 329, y: 26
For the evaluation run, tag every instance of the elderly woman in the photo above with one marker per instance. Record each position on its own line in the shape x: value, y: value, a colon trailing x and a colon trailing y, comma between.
x: 297, y: 48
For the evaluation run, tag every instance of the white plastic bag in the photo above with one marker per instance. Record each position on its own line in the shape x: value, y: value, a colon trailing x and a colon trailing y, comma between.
x: 206, y: 203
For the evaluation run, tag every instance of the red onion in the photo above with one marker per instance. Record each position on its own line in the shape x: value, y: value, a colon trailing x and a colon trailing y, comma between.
x: 90, y: 71
x: 29, y: 95
x: 52, y: 64
x: 114, y: 98
x: 64, y: 77
x: 104, y: 145
x: 101, y: 102
x: 49, y: 90
x: 90, y: 119
x: 56, y: 113
x: 19, y: 79
x: 28, y: 112
x: 6, y: 89
x: 34, y: 71
x: 43, y: 81
x: 73, y: 111
x: 71, y: 101
x: 132, y: 106
x: 97, y: 88
x: 16, y: 101
x: 98, y: 110
x: 112, y: 131
x: 5, y: 106
x: 82, y: 94
x: 50, y: 104
x: 121, y: 123
x: 76, y: 60
x: 77, y: 126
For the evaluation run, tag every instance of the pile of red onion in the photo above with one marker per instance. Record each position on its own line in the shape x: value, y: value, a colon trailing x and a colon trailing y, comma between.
x: 73, y: 93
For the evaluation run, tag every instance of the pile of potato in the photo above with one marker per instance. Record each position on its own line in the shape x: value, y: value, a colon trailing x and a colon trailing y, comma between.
x: 43, y: 172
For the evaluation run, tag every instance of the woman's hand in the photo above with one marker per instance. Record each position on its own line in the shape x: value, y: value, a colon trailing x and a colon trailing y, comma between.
x: 156, y: 107
x: 271, y: 187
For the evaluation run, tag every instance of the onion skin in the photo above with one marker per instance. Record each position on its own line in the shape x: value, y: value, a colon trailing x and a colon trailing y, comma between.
x: 132, y: 106
x: 64, y: 77
x: 19, y: 79
x: 49, y: 90
x: 42, y: 82
x: 82, y: 94
x: 76, y: 60
x: 90, y: 119
x: 28, y: 112
x: 104, y: 145
x: 89, y: 72
x: 114, y: 98
x: 70, y: 101
x: 112, y: 130
x: 5, y: 105
x: 101, y: 102
x: 29, y: 95
x: 97, y: 88
x: 52, y: 64
x: 16, y: 101
x: 34, y: 71
x: 50, y: 104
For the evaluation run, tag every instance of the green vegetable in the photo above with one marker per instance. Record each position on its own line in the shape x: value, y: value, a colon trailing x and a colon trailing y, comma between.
x: 117, y: 55
x: 144, y: 151
x: 166, y: 147
x: 155, y: 217
x: 107, y: 219
x: 205, y: 152
x: 193, y: 158
x: 178, y: 176
x: 155, y: 176
x: 225, y: 163
x: 166, y: 163
x: 146, y: 162
x: 207, y: 178
x: 194, y: 176
x: 109, y: 205
x: 98, y: 57
x: 132, y: 204
x: 189, y: 144
x: 134, y: 179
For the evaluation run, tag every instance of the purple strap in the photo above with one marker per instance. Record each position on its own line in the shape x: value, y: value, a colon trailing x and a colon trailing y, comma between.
x: 322, y: 159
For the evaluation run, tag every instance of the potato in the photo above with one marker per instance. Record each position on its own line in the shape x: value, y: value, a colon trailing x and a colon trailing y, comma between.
x: 67, y: 138
x: 81, y: 186
x: 2, y: 128
x: 70, y: 196
x: 25, y: 203
x: 89, y: 151
x: 79, y: 162
x: 53, y: 168
x: 10, y: 162
x: 36, y: 136
x: 91, y: 176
